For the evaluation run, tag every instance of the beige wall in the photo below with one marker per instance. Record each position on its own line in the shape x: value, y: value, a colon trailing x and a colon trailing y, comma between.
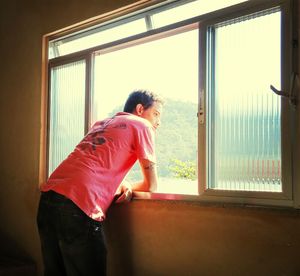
x: 145, y: 237
x: 189, y: 239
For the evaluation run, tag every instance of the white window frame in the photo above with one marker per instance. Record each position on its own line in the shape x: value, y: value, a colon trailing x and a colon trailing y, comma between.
x: 288, y: 197
x: 269, y: 198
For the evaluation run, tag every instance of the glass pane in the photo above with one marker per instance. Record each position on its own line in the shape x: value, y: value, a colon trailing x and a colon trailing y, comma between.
x: 67, y: 110
x: 244, y: 127
x: 189, y: 10
x: 95, y: 38
x: 168, y: 66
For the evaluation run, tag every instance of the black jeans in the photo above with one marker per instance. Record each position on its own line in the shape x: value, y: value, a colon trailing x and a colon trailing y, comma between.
x: 72, y: 243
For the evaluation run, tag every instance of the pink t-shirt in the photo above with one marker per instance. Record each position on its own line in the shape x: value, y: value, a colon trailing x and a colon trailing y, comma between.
x: 91, y: 174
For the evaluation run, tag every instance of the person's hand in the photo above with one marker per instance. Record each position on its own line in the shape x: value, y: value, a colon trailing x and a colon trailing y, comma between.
x: 124, y: 193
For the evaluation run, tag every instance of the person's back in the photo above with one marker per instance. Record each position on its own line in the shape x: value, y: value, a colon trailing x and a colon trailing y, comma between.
x: 91, y: 174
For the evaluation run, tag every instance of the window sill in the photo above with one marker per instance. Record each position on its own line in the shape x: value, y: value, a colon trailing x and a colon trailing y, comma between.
x: 220, y: 201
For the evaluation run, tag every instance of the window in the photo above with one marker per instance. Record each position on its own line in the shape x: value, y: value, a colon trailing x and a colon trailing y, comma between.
x: 244, y: 149
x: 244, y: 127
x: 222, y: 127
x: 67, y: 110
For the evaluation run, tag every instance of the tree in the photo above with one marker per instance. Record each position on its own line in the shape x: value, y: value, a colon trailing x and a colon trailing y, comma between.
x: 183, y: 169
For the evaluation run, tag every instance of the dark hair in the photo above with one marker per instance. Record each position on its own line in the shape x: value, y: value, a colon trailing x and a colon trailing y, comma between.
x: 143, y: 97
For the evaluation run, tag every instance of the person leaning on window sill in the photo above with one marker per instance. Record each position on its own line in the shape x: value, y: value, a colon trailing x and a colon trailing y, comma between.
x: 77, y: 195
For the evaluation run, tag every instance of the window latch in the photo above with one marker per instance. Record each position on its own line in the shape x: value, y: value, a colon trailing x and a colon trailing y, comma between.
x: 292, y: 95
x: 200, y: 113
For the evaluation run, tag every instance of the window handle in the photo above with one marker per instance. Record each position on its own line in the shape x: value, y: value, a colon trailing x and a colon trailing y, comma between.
x: 279, y: 92
x: 291, y: 96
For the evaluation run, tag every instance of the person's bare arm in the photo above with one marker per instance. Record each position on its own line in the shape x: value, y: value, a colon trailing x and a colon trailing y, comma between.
x: 149, y: 182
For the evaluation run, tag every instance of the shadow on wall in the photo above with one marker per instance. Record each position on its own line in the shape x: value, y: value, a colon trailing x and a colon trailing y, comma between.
x: 13, y: 260
x: 118, y: 231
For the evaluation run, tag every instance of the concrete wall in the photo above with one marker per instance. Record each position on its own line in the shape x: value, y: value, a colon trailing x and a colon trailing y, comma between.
x: 145, y: 237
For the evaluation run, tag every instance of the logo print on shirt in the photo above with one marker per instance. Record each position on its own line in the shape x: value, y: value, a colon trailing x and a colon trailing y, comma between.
x: 97, y: 140
x: 95, y: 137
x: 121, y: 126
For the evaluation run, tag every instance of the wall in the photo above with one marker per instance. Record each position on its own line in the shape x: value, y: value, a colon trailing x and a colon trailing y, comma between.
x: 189, y: 239
x: 145, y: 237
